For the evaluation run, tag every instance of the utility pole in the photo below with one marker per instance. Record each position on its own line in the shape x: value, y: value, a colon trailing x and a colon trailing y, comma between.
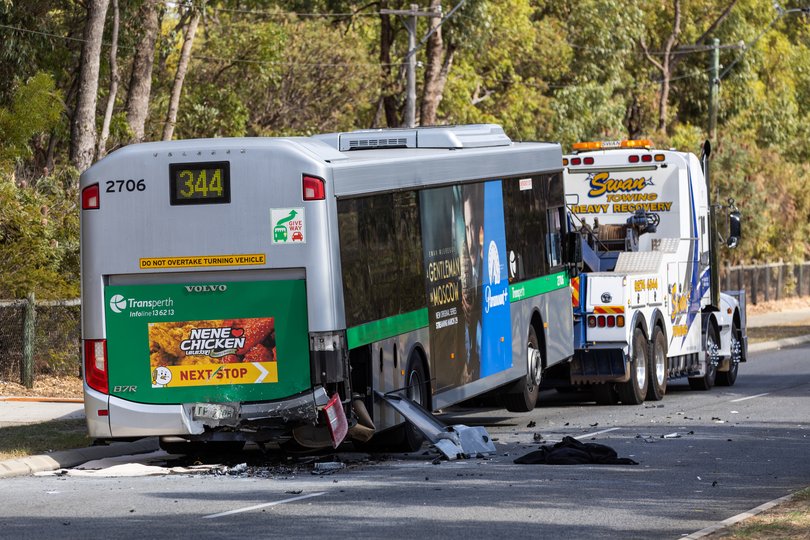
x: 409, y: 116
x: 714, y: 88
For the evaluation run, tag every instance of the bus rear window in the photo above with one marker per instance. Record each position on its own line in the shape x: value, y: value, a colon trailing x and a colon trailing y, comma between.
x: 200, y: 183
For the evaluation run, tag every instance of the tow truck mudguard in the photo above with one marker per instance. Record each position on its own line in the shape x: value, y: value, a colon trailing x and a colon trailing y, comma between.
x: 597, y: 365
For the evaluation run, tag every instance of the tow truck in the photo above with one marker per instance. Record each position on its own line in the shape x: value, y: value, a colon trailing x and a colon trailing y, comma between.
x: 647, y: 305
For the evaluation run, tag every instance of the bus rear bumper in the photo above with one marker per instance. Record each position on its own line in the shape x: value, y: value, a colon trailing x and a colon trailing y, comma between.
x: 130, y: 419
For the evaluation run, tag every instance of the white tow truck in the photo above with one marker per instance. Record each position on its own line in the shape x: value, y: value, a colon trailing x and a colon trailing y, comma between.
x: 647, y: 304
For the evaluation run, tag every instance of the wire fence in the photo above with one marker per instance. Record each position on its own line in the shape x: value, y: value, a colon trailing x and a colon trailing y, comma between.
x: 769, y: 281
x: 39, y: 338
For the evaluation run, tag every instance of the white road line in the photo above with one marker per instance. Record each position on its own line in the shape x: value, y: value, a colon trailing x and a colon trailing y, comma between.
x: 749, y: 397
x: 736, y: 519
x: 265, y: 505
x: 595, y: 433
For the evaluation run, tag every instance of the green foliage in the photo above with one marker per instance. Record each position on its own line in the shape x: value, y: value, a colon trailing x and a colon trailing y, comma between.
x: 39, y: 240
x: 35, y: 108
x: 560, y: 70
x: 770, y: 192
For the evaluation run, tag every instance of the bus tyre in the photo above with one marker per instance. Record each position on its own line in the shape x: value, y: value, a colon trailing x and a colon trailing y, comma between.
x: 658, y: 366
x: 416, y: 388
x: 728, y: 378
x: 706, y: 381
x: 404, y: 437
x: 174, y: 445
x: 525, y: 398
x: 634, y: 390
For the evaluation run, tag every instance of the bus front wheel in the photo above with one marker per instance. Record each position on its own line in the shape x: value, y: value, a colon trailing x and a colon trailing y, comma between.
x: 525, y: 398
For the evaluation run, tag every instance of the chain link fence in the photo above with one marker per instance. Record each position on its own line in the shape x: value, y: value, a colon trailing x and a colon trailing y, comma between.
x: 39, y: 338
x: 769, y: 281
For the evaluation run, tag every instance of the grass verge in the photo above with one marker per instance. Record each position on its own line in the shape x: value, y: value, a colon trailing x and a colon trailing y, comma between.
x: 772, y: 333
x: 29, y: 440
x: 788, y: 521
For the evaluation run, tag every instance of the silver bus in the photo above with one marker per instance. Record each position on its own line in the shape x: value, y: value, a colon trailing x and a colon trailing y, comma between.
x: 272, y: 289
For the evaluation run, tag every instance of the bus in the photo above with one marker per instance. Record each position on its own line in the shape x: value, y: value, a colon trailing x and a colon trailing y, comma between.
x: 273, y: 289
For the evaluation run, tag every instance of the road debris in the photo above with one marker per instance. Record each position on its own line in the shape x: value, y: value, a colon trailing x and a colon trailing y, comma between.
x: 327, y: 467
x: 570, y: 451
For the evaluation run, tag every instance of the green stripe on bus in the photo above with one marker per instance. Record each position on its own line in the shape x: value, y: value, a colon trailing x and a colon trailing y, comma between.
x: 386, y: 328
x: 534, y: 287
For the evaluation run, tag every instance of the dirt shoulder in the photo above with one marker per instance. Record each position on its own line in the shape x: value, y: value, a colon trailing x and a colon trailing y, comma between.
x: 44, y: 386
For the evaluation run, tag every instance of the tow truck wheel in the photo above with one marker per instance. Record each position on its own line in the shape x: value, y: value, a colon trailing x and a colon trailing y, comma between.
x: 634, y: 390
x: 728, y: 378
x: 712, y: 346
x: 525, y: 398
x: 658, y: 366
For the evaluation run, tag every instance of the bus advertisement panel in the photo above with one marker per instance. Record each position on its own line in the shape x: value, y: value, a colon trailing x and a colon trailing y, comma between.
x: 467, y: 283
x: 230, y: 341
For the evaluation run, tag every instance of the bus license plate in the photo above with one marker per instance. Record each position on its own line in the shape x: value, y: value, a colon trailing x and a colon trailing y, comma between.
x: 213, y: 411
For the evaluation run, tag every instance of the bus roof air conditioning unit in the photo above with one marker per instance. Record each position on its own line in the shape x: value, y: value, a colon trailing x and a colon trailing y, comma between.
x: 452, y: 137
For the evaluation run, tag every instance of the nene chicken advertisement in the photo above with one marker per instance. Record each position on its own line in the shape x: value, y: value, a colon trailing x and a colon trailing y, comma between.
x: 233, y: 341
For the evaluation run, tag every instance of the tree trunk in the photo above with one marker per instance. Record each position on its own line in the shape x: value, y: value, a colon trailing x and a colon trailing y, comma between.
x: 433, y: 85
x: 182, y: 67
x: 389, y: 100
x: 105, y: 128
x: 140, y: 82
x: 671, y: 59
x: 83, y: 127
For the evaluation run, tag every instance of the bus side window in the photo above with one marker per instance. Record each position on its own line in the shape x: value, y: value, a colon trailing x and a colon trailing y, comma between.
x: 381, y: 256
x: 554, y: 238
x: 526, y: 224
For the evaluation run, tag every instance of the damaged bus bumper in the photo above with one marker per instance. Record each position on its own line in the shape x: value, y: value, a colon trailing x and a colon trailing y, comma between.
x: 132, y: 419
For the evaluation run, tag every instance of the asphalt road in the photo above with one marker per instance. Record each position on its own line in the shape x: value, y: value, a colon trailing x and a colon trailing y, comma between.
x: 728, y: 451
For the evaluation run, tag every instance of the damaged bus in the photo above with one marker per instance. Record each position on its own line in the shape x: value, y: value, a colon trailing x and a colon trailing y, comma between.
x: 275, y: 289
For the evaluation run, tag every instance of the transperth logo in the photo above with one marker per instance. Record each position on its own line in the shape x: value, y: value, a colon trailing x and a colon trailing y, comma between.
x: 494, y: 263
x: 118, y: 303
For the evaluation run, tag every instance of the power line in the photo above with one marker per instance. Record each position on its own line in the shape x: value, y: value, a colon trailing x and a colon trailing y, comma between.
x: 211, y: 58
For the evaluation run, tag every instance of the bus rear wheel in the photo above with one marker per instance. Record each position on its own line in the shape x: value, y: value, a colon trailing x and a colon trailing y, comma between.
x: 405, y: 437
x: 175, y: 445
x: 524, y: 399
x: 634, y: 390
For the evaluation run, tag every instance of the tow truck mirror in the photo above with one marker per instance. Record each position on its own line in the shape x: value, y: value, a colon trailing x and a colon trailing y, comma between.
x: 734, y: 229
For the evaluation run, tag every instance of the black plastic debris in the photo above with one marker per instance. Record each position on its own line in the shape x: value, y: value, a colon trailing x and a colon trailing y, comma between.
x: 570, y: 451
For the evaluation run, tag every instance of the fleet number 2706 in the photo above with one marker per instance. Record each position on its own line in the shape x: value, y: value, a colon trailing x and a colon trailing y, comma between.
x: 119, y: 186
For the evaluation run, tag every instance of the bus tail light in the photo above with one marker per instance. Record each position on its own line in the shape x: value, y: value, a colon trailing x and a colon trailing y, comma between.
x: 95, y: 364
x: 336, y: 416
x: 314, y: 189
x: 90, y: 198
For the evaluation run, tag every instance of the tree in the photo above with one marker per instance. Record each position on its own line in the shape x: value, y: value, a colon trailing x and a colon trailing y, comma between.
x: 670, y: 52
x: 140, y: 82
x: 114, y: 78
x: 439, y: 61
x: 35, y: 108
x: 194, y: 16
x: 83, y: 129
